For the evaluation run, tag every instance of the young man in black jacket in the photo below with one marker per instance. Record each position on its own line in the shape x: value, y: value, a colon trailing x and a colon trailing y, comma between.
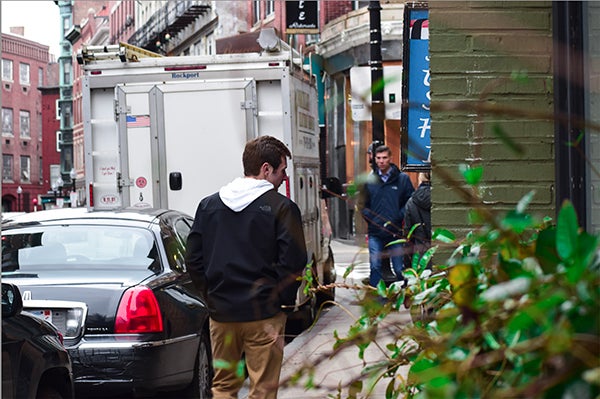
x: 382, y: 207
x: 245, y: 252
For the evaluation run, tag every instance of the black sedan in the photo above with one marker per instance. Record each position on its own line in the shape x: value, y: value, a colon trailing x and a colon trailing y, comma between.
x: 35, y: 364
x: 114, y: 283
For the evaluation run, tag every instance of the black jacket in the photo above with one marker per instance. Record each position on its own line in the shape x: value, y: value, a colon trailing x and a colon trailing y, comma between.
x: 418, y: 211
x: 383, y: 204
x: 246, y: 263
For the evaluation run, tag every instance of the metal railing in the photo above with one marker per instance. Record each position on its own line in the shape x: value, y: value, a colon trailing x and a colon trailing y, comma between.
x: 170, y: 19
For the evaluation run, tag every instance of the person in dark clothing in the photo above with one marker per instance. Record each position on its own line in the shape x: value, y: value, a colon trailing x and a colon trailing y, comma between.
x: 246, y: 251
x: 418, y: 212
x: 382, y: 207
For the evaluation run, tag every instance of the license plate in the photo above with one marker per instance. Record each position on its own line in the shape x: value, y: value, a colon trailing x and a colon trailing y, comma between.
x: 44, y: 314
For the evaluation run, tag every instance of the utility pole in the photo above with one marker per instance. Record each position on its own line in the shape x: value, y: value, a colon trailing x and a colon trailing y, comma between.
x: 377, y: 104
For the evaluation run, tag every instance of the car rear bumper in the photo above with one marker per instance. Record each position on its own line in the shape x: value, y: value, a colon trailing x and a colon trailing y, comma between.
x: 112, y: 363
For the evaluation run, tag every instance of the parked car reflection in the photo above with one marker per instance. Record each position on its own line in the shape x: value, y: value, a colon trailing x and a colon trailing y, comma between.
x: 35, y: 364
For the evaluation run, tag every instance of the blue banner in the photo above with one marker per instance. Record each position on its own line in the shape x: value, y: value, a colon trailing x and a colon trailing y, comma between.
x: 416, y: 134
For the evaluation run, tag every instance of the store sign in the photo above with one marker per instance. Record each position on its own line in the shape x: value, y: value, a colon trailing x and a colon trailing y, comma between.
x: 302, y: 17
x: 416, y: 120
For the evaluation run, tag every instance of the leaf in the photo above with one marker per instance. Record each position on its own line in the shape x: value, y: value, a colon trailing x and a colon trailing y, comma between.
x: 507, y: 140
x: 525, y: 201
x: 398, y: 241
x: 351, y: 189
x: 443, y: 235
x: 471, y: 174
x: 520, y: 76
x: 518, y: 222
x: 500, y: 292
x: 566, y: 232
x: 545, y: 250
x: 221, y: 364
x: 463, y: 281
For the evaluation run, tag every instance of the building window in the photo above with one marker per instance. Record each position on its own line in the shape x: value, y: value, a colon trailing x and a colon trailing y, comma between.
x: 25, y: 169
x: 41, y: 170
x: 40, y: 76
x: 7, y: 167
x: 359, y: 4
x: 269, y: 8
x: 66, y: 116
x: 25, y: 124
x: 58, y: 141
x: 7, y: 121
x: 66, y: 25
x: 66, y: 71
x: 7, y: 70
x: 24, y: 74
x: 255, y: 11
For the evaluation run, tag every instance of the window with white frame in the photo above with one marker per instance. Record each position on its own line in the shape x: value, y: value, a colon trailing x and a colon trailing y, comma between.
x: 255, y: 11
x: 66, y: 71
x: 54, y: 173
x: 66, y: 25
x: 7, y: 121
x: 24, y: 74
x: 269, y: 8
x: 40, y: 76
x: 58, y: 109
x: 25, y: 169
x: 7, y: 70
x: 25, y: 124
x: 58, y: 141
x: 7, y: 167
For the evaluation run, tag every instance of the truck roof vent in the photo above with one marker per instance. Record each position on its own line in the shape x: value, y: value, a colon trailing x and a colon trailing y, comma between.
x: 268, y: 40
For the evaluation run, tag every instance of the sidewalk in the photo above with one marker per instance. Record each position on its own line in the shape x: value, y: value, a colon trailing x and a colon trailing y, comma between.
x: 317, y: 342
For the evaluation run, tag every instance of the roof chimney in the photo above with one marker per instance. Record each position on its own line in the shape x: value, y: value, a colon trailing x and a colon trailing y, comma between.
x: 17, y: 30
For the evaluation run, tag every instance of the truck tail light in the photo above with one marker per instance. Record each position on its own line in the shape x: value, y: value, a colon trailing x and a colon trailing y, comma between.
x: 91, y: 195
x: 287, y: 187
x: 138, y: 312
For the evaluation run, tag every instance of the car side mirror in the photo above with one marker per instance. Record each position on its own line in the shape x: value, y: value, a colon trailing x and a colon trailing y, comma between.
x: 12, y: 303
x: 332, y: 187
x: 175, y: 181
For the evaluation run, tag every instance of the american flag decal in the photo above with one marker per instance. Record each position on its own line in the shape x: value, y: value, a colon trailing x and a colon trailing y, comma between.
x: 138, y: 121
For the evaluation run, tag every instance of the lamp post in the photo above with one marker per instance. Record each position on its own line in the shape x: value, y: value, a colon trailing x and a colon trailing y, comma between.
x: 74, y: 199
x: 19, y: 192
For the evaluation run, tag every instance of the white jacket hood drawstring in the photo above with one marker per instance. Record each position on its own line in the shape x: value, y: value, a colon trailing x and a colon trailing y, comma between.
x: 242, y: 191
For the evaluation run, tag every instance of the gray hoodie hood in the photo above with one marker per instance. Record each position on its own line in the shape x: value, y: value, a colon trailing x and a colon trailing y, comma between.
x: 241, y: 192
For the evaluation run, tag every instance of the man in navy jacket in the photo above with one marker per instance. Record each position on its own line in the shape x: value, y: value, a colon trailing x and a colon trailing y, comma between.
x: 246, y: 251
x: 382, y: 207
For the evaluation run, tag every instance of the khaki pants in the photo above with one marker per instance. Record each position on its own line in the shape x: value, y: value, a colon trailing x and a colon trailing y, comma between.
x: 262, y: 343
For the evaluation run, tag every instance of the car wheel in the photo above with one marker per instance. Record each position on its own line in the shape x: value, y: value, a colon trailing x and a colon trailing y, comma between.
x: 324, y: 297
x: 203, y: 371
x: 48, y: 393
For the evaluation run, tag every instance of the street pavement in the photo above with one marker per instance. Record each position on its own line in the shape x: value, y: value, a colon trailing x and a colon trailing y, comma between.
x: 313, y: 344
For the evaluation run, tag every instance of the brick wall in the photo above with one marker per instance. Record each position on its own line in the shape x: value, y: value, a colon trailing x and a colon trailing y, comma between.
x: 476, y: 47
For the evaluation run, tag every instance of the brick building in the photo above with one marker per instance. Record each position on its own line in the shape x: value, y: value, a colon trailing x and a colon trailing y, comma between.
x: 24, y: 69
x: 51, y: 133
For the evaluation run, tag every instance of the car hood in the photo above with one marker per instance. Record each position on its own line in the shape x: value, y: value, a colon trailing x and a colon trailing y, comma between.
x: 100, y: 290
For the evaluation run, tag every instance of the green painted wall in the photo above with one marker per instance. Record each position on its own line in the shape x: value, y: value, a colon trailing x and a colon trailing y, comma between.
x: 476, y: 48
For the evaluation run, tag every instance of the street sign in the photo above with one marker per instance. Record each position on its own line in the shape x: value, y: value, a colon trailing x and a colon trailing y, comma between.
x: 301, y: 17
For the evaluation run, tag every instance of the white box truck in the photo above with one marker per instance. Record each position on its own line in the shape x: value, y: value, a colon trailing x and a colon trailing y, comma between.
x: 166, y: 132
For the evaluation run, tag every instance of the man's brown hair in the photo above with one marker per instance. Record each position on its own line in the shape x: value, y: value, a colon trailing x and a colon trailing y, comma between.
x: 260, y: 150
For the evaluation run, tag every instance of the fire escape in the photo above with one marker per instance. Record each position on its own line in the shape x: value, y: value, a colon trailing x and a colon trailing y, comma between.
x: 167, y: 22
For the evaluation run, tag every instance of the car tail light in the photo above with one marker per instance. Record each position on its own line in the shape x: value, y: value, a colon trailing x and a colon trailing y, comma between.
x: 138, y: 312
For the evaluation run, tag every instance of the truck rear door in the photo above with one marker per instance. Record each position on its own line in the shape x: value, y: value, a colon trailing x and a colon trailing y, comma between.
x: 197, y: 129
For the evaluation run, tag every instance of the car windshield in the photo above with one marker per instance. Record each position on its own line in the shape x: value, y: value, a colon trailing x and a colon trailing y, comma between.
x: 74, y: 246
